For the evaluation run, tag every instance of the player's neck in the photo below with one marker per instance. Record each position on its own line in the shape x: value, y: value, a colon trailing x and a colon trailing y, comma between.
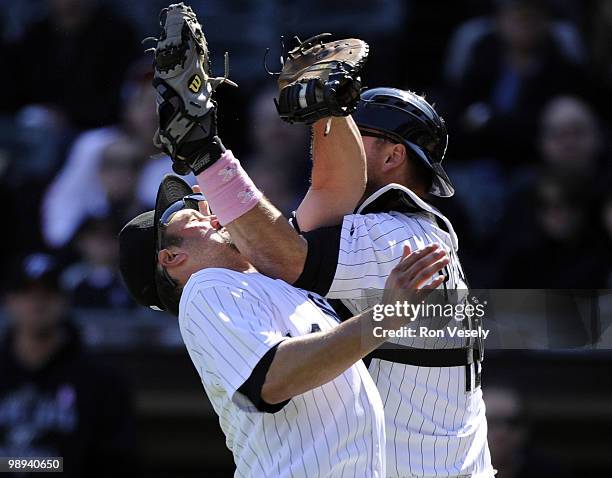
x: 421, y: 191
x: 233, y: 260
x: 240, y: 264
x: 417, y: 188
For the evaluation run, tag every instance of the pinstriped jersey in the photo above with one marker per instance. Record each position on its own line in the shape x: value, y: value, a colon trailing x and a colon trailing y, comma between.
x: 435, y: 427
x: 228, y: 321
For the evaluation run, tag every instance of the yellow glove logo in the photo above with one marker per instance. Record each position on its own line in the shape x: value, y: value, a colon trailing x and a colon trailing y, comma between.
x: 195, y: 83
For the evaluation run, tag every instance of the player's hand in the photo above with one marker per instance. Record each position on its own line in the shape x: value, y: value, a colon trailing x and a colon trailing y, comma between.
x: 411, y: 279
x: 205, y: 209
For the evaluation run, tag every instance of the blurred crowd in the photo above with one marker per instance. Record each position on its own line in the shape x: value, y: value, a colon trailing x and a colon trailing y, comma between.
x: 524, y: 85
x: 55, y: 398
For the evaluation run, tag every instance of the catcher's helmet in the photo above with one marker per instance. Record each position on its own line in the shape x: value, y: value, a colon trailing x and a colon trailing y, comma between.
x: 406, y: 118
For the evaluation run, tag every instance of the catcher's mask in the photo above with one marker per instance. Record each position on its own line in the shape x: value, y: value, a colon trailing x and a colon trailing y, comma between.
x: 406, y: 118
x: 140, y: 241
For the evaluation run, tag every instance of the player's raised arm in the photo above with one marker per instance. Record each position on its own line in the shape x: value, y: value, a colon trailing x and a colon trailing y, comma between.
x: 338, y: 182
x: 319, y: 85
x: 188, y: 133
x: 338, y: 177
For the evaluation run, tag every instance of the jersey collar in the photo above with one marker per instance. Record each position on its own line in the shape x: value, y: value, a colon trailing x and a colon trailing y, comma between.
x: 395, y: 197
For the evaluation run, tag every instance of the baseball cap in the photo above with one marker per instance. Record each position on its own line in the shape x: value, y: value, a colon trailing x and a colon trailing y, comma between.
x: 138, y: 246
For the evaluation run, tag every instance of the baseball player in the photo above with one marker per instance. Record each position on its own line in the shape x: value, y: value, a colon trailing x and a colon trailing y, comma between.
x: 434, y: 411
x: 435, y: 415
x: 293, y: 397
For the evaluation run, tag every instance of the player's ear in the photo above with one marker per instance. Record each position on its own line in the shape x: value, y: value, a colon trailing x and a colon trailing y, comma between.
x: 396, y: 157
x: 171, y: 258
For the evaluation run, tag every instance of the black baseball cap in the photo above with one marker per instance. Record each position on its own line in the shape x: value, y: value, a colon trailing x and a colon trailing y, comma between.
x: 138, y: 247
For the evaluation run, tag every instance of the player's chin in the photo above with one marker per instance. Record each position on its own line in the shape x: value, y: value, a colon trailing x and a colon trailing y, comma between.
x: 227, y: 239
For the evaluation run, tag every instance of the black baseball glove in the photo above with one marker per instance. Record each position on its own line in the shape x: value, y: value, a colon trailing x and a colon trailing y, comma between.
x: 187, y: 114
x: 319, y: 80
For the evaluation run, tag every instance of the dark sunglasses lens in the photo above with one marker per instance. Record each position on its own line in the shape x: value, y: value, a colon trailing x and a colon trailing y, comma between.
x: 190, y: 202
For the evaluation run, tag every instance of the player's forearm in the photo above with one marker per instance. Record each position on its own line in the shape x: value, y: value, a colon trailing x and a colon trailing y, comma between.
x: 257, y: 228
x: 339, y: 158
x: 267, y: 239
x: 303, y: 363
x: 338, y: 174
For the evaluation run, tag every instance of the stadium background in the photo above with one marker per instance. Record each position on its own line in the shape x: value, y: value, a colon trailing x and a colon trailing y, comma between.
x: 526, y: 89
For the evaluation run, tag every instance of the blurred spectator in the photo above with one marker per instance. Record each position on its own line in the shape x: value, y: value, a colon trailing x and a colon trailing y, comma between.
x: 113, y: 193
x: 425, y: 51
x: 68, y: 58
x: 511, y: 74
x: 17, y: 15
x: 509, y: 437
x: 109, y: 171
x: 54, y: 399
x: 72, y: 64
x: 469, y: 34
x: 370, y: 18
x: 93, y: 281
x: 279, y: 157
x: 557, y: 198
x: 570, y: 141
x: 564, y: 245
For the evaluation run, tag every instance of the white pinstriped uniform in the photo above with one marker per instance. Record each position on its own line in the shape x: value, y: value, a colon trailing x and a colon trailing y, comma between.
x: 435, y: 428
x: 228, y: 321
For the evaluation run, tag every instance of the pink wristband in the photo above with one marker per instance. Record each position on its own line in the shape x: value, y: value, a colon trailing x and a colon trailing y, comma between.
x: 228, y: 189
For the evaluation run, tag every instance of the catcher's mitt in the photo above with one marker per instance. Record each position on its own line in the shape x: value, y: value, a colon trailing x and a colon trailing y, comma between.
x: 319, y: 79
x: 187, y: 114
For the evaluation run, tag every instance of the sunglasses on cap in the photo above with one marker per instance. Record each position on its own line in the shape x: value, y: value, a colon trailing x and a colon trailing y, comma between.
x: 187, y: 202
